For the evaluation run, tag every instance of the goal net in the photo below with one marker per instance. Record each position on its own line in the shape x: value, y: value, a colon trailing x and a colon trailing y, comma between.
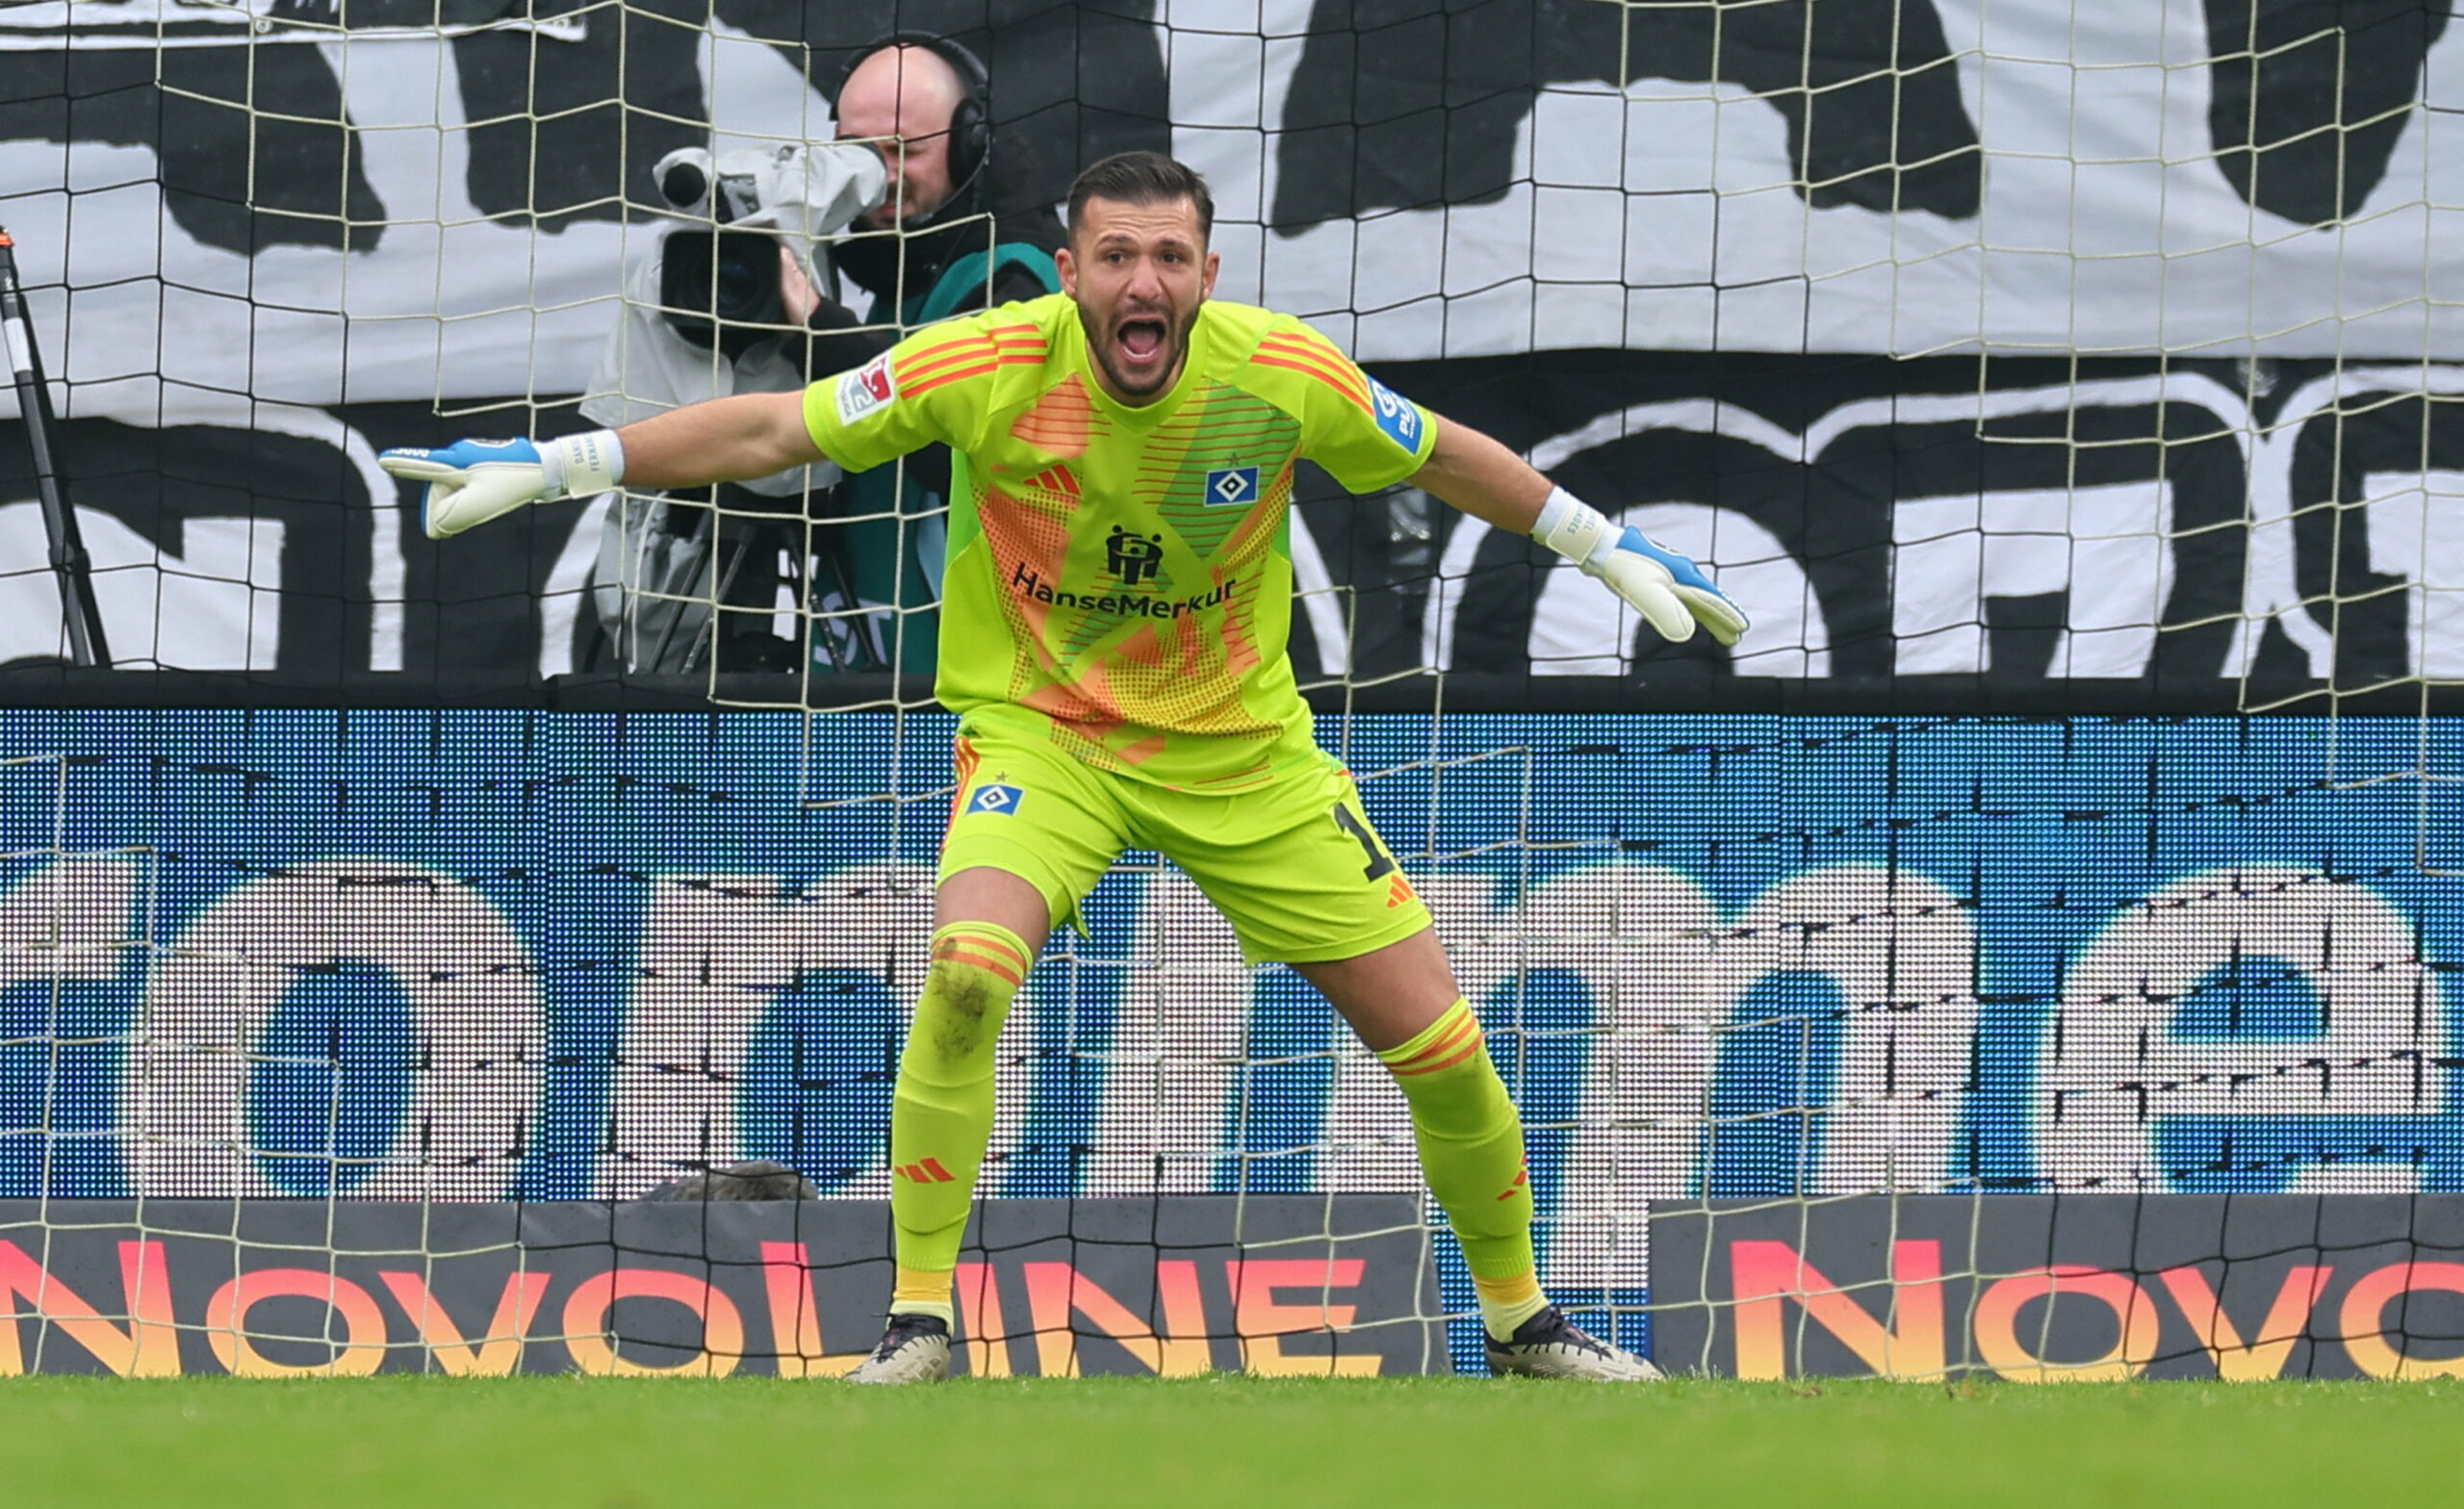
x: 2015, y: 953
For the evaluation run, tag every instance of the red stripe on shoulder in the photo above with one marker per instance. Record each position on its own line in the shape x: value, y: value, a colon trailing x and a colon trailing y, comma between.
x: 1015, y: 336
x: 941, y: 377
x: 970, y: 355
x: 1303, y: 337
x: 1319, y: 354
x: 1288, y: 363
x: 1304, y: 344
x: 923, y: 364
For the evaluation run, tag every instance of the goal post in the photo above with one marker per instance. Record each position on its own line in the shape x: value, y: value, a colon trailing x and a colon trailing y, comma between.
x: 2020, y: 954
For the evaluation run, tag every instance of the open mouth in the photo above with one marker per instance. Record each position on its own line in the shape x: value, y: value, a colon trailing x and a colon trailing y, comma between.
x: 1140, y: 338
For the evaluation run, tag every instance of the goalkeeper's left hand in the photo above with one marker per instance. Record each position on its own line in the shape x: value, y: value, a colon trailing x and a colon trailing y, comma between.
x: 1672, y: 593
x: 473, y: 481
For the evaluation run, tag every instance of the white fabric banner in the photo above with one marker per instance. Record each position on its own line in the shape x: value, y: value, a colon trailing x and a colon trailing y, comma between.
x: 2063, y: 178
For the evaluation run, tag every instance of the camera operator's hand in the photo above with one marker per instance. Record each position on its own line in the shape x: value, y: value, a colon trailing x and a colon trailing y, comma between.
x: 795, y: 290
x: 836, y: 341
x: 821, y: 314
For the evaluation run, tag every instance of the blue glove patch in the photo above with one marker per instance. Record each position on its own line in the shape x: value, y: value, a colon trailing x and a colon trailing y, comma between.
x: 470, y: 452
x: 1681, y: 567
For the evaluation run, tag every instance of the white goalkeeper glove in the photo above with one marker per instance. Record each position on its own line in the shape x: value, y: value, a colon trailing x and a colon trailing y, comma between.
x: 1667, y: 589
x: 473, y: 481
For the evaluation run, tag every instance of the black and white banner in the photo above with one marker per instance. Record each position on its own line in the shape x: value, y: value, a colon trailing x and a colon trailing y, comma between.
x: 2129, y: 263
x: 1875, y: 518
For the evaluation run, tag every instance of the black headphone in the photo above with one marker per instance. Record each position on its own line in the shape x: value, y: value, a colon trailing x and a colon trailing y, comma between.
x: 971, y: 123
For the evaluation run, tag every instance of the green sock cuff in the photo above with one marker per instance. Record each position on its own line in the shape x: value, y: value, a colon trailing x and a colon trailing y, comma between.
x: 987, y: 946
x: 1498, y: 1259
x: 1448, y: 1030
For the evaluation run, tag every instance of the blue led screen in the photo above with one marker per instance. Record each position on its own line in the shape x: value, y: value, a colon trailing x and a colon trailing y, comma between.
x: 483, y: 955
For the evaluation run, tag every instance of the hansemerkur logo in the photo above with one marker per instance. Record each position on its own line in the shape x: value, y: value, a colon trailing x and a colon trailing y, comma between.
x: 1027, y: 582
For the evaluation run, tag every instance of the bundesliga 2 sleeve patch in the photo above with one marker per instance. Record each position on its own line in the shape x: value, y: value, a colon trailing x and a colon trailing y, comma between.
x: 1398, y: 417
x: 866, y: 389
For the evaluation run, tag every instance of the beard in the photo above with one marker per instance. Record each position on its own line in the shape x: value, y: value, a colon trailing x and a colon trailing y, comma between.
x: 1172, y: 347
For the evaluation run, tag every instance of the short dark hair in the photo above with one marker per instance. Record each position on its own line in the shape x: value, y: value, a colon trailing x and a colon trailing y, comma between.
x: 1143, y: 178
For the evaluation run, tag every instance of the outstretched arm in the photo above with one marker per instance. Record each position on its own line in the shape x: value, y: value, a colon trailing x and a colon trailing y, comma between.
x: 1477, y: 474
x: 725, y: 440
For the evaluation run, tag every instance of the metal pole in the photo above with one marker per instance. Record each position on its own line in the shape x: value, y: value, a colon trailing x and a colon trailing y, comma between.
x: 87, y: 646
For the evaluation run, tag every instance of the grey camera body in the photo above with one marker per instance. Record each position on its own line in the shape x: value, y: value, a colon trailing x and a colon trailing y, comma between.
x: 803, y: 193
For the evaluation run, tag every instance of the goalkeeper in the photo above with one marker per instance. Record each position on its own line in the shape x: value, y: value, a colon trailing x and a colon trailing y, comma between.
x: 1117, y: 601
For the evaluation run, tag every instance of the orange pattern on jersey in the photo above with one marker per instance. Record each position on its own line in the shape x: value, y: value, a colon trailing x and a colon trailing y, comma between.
x: 1134, y: 681
x: 942, y: 377
x: 971, y: 346
x: 1317, y: 359
x: 1192, y: 645
x: 970, y: 356
x: 1240, y: 637
x: 964, y: 756
x: 1247, y: 546
x: 1086, y: 708
x: 1064, y: 421
x: 1085, y: 742
x: 1192, y: 682
x: 1053, y: 480
x: 1027, y: 528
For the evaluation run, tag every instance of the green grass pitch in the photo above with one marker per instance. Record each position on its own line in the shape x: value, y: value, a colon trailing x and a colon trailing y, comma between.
x: 608, y: 1443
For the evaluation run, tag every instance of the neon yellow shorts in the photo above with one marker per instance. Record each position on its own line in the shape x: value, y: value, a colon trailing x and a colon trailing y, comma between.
x: 1294, y: 864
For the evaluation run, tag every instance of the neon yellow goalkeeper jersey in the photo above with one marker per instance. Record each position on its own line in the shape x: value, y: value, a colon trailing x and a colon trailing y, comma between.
x: 1122, y: 577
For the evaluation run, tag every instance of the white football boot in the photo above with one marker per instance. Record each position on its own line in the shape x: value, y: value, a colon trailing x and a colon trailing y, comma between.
x: 914, y: 1350
x: 1548, y: 1346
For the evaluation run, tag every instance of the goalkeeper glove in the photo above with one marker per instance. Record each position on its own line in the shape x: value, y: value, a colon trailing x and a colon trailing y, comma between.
x: 473, y: 481
x: 1670, y: 591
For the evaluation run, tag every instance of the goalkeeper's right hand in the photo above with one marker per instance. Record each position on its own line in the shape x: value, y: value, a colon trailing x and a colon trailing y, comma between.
x: 473, y: 481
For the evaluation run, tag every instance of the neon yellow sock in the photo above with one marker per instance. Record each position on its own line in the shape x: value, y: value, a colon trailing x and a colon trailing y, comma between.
x: 1471, y: 1143
x: 940, y: 1112
x: 1505, y: 1303
x: 922, y: 1292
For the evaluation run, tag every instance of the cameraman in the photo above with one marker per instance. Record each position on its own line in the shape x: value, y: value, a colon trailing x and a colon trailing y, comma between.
x: 935, y: 235
x: 956, y: 233
x: 953, y: 235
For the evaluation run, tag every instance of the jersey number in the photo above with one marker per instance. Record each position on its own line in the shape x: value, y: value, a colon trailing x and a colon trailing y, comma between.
x: 1380, y: 862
